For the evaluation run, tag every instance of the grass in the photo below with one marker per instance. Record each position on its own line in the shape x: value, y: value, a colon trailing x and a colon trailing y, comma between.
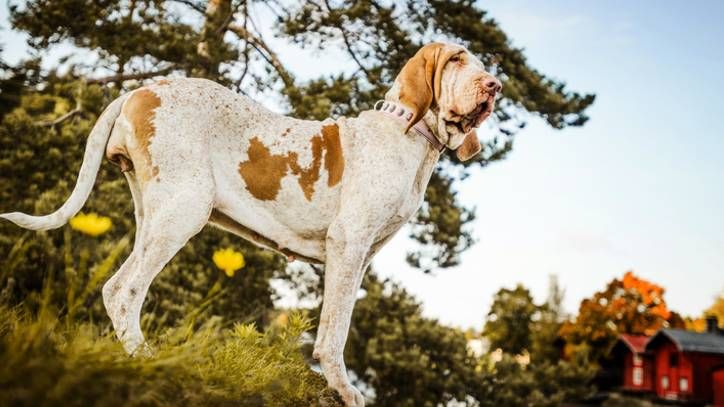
x: 47, y: 361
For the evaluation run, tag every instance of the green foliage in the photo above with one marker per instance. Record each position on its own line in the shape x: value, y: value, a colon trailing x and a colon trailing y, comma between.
x: 410, y: 360
x: 220, y: 40
x: 50, y: 360
x: 510, y: 320
x: 118, y: 30
x: 516, y: 325
x: 49, y: 356
x: 55, y: 340
x: 531, y: 372
x: 544, y: 346
x: 510, y: 383
x: 439, y: 227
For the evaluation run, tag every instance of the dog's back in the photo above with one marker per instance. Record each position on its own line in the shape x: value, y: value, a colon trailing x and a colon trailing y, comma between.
x: 276, y: 176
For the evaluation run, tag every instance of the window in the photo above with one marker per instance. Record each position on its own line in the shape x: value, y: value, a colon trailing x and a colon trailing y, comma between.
x: 638, y: 376
x: 638, y: 360
x: 674, y: 359
x: 684, y: 384
x: 665, y: 382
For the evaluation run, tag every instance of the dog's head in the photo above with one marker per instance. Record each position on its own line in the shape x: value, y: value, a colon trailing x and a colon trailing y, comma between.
x: 452, y: 83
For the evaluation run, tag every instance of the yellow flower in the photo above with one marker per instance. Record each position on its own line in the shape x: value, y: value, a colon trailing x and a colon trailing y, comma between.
x: 229, y: 260
x: 91, y: 224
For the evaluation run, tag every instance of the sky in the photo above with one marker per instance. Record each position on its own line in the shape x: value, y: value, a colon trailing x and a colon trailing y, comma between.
x: 640, y: 187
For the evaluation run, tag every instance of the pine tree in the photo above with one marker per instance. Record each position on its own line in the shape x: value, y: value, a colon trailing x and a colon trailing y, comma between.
x: 221, y: 40
x: 544, y: 335
x: 410, y: 360
x: 510, y: 320
x: 49, y: 106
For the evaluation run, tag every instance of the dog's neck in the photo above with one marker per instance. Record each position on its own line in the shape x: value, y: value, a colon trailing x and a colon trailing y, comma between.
x: 405, y: 115
x: 429, y: 159
x: 430, y: 117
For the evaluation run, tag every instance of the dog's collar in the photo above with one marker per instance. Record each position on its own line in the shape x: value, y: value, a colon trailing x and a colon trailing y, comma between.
x: 404, y: 114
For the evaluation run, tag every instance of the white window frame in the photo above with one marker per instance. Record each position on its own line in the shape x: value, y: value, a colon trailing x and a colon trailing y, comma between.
x: 638, y: 360
x: 684, y: 384
x: 637, y: 376
x: 665, y: 382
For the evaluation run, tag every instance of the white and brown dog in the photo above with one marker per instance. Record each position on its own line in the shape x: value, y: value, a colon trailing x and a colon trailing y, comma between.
x: 329, y: 192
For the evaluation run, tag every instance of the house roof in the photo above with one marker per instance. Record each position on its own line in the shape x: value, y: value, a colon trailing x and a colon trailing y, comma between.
x: 689, y: 341
x: 635, y: 343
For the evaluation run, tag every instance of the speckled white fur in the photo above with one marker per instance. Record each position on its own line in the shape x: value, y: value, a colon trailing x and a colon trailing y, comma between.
x: 202, y: 133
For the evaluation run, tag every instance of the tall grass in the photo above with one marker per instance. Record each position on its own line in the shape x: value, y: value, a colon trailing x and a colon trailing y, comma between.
x: 46, y: 361
x: 53, y: 353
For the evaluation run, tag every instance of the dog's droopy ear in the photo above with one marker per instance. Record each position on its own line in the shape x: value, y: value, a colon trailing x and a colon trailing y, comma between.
x: 469, y: 148
x: 420, y: 77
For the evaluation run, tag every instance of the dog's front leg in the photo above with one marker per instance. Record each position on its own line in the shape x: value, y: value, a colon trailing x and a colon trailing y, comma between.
x: 346, y: 252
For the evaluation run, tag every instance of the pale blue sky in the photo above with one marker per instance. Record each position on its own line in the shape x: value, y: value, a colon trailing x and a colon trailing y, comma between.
x: 639, y: 187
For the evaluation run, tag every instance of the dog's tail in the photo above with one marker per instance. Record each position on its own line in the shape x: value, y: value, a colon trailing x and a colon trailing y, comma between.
x: 94, y: 152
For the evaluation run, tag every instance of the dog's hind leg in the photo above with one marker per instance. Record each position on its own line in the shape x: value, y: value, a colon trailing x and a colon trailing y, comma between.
x: 172, y: 215
x: 113, y: 285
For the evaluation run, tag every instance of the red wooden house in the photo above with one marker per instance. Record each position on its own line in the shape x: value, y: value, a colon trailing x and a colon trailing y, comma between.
x: 718, y: 381
x: 687, y: 364
x: 674, y: 364
x: 635, y: 363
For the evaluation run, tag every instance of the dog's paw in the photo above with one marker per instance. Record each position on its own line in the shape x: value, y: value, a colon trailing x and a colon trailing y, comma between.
x: 331, y: 397
x: 351, y: 396
x: 143, y: 351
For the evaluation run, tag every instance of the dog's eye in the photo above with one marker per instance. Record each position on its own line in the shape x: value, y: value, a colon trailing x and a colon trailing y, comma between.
x: 455, y: 58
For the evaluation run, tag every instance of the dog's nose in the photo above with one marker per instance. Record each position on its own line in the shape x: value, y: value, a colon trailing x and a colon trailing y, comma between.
x: 492, y: 85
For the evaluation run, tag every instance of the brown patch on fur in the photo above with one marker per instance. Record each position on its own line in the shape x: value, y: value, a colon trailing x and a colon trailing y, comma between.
x: 333, y: 156
x: 307, y: 176
x: 139, y: 111
x: 469, y: 148
x: 163, y: 82
x: 263, y: 171
x: 421, y: 76
x: 286, y: 132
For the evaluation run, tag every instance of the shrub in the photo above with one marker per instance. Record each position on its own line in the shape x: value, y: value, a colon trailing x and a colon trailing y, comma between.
x: 47, y: 360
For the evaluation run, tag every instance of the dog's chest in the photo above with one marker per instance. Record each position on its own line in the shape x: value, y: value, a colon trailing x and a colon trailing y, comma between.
x: 412, y: 201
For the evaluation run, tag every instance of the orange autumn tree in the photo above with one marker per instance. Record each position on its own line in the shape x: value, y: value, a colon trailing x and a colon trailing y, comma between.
x: 629, y: 305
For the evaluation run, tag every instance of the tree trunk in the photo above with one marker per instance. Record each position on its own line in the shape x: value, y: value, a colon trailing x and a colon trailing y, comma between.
x: 211, y: 47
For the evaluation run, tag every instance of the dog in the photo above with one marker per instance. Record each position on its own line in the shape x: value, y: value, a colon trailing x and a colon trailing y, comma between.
x: 332, y: 192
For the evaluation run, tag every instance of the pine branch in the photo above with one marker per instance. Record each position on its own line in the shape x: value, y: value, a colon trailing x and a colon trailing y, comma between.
x: 245, y: 53
x: 263, y: 49
x: 348, y: 45
x: 191, y: 4
x: 132, y: 76
x: 352, y: 53
x: 51, y: 123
